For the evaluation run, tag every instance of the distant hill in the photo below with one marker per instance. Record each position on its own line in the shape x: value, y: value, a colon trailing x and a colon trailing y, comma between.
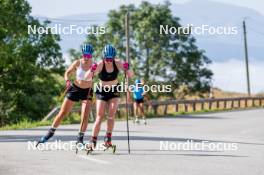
x: 218, y: 48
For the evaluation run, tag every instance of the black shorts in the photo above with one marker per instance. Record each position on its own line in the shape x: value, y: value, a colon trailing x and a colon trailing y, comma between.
x: 76, y: 93
x: 107, y: 94
x: 138, y: 101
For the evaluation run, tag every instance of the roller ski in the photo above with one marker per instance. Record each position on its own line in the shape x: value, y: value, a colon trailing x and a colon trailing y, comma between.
x: 137, y: 120
x: 108, y: 144
x: 91, y: 146
x: 80, y: 144
x: 45, y: 138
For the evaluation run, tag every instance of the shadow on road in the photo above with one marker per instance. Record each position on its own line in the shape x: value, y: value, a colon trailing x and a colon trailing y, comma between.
x: 76, y: 130
x: 26, y: 138
x: 194, y: 117
x: 191, y: 155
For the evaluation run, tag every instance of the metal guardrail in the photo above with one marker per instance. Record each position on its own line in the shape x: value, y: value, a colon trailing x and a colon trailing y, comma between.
x: 187, y: 105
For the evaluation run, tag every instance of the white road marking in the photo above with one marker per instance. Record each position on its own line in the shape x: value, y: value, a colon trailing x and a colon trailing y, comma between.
x: 93, y: 159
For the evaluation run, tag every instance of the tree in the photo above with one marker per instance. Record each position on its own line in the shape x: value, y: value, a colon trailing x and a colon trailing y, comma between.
x: 168, y: 58
x: 28, y: 64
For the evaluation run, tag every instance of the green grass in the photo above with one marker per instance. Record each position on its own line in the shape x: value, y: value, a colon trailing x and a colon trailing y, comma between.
x: 74, y: 118
x: 25, y: 124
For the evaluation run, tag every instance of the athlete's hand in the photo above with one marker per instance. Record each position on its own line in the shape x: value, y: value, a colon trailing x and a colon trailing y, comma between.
x: 68, y: 84
x: 93, y: 67
x: 126, y: 65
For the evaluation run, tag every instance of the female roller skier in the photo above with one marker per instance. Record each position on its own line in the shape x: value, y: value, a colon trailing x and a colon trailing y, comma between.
x: 80, y: 89
x: 107, y: 94
x: 138, y: 95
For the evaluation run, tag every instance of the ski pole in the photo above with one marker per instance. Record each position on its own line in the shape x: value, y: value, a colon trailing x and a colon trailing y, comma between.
x: 89, y: 91
x: 91, y: 108
x: 127, y: 124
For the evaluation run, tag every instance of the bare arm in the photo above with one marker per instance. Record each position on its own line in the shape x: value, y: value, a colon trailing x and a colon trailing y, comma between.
x: 119, y: 65
x: 70, y: 70
x: 89, y: 74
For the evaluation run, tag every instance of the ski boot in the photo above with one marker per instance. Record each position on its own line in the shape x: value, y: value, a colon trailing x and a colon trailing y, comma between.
x: 91, y: 145
x: 144, y: 121
x: 47, y: 136
x: 108, y: 143
x: 79, y: 142
x: 137, y: 120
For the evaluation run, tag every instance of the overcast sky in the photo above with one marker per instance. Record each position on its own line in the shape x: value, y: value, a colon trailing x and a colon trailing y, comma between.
x: 57, y: 8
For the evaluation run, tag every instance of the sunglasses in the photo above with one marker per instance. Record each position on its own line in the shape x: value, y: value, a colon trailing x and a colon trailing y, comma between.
x: 109, y: 59
x: 87, y: 56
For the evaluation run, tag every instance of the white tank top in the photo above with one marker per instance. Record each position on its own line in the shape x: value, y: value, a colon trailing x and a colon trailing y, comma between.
x: 80, y: 72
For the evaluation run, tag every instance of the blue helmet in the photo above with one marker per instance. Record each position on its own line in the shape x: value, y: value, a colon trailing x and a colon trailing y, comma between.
x: 87, y: 49
x: 109, y: 51
x: 137, y: 81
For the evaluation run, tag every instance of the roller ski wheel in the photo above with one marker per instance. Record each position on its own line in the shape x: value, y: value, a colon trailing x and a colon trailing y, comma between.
x: 77, y: 147
x: 42, y: 140
x: 137, y: 121
x: 89, y: 150
x: 90, y: 147
x: 46, y: 137
x: 109, y: 145
x: 79, y: 143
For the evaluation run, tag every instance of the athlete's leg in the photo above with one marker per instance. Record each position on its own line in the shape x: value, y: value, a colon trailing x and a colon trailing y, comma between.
x: 112, y: 108
x: 100, y: 112
x: 135, y: 109
x: 66, y: 107
x: 141, y: 109
x: 142, y: 113
x: 85, y: 111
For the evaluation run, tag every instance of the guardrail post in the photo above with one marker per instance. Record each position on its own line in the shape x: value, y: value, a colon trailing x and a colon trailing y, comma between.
x: 217, y: 104
x: 185, y: 107
x: 246, y: 103
x: 176, y: 107
x: 225, y: 104
x: 118, y: 113
x: 165, y: 110
x: 194, y: 106
x: 210, y: 105
x: 155, y: 108
x: 202, y: 106
x: 256, y: 101
x: 232, y: 104
x: 253, y: 102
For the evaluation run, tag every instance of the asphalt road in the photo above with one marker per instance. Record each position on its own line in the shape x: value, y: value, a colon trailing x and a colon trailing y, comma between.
x: 243, y: 130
